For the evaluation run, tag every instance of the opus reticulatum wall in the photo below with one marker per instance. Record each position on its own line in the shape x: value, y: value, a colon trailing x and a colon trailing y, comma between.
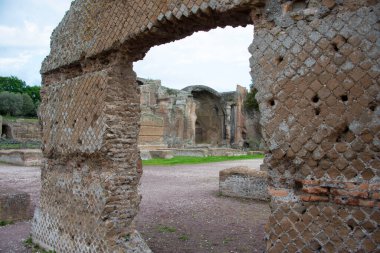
x: 316, y: 67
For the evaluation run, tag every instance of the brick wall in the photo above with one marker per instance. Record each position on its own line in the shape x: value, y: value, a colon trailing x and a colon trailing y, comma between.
x: 23, y: 130
x: 315, y: 65
x: 316, y: 68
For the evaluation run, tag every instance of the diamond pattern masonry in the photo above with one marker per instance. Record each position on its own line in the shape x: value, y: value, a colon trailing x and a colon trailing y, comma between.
x: 316, y: 67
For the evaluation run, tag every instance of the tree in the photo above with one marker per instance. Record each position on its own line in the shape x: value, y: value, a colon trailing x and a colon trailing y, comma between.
x: 12, y: 84
x: 10, y: 103
x: 250, y: 102
x: 28, y: 107
x: 34, y: 93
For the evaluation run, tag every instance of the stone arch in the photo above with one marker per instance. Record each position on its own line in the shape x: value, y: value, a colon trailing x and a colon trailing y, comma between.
x: 316, y: 72
x: 6, y: 131
x: 210, y: 113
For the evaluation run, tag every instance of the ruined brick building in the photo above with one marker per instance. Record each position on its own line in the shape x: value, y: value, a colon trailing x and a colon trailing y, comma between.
x: 316, y: 68
x: 19, y: 129
x: 195, y: 116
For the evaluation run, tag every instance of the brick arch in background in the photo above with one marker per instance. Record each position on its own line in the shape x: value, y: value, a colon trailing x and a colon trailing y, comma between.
x: 316, y: 68
x: 6, y: 131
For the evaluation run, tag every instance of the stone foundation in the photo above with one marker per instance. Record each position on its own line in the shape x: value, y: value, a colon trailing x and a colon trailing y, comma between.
x: 14, y: 205
x: 168, y: 153
x: 21, y: 130
x: 22, y: 157
x: 244, y: 182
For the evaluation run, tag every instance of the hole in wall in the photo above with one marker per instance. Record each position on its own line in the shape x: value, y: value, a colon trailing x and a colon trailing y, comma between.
x: 341, y: 137
x: 298, y: 185
x: 372, y: 106
x: 104, y: 61
x: 344, y: 98
x: 315, y: 99
x: 6, y: 131
x: 317, y: 111
x: 279, y: 59
x: 271, y: 102
x: 335, y: 46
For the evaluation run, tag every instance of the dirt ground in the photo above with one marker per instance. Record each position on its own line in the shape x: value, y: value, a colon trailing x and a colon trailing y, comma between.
x: 181, y: 210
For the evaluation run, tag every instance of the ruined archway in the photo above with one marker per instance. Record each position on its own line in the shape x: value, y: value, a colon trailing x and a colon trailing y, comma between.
x: 6, y: 131
x: 210, y: 126
x: 315, y: 65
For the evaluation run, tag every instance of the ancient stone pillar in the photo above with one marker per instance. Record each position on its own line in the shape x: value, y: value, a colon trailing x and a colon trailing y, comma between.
x: 316, y: 68
x: 89, y: 180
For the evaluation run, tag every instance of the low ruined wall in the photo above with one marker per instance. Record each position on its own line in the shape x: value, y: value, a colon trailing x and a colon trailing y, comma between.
x: 14, y: 205
x: 23, y: 130
x: 22, y: 157
x: 244, y: 182
x: 167, y: 153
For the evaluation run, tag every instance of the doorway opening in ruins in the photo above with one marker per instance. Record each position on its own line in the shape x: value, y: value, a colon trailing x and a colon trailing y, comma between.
x: 201, y: 105
x: 182, y: 204
x: 6, y: 131
x: 210, y: 126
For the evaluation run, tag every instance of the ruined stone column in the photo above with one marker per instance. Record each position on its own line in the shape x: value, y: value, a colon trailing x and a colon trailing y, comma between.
x: 316, y: 68
x: 89, y: 180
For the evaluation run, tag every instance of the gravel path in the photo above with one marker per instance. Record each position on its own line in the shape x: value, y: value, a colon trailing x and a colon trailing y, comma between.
x: 181, y: 210
x: 25, y: 179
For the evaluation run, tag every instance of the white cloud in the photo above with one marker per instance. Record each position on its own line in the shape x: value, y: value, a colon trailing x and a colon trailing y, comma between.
x: 15, y: 62
x: 25, y: 65
x: 25, y: 29
x: 30, y: 35
x: 218, y: 58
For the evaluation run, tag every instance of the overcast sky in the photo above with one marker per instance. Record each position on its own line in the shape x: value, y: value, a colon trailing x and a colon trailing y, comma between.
x: 218, y: 58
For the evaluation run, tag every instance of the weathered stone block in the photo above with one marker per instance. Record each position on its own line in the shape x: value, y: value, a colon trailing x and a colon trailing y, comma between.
x: 166, y: 154
x: 190, y: 152
x: 244, y: 182
x: 14, y: 205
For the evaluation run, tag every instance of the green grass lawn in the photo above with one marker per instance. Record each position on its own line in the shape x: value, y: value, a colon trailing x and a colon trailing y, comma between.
x: 10, y: 145
x: 13, y: 119
x: 195, y: 160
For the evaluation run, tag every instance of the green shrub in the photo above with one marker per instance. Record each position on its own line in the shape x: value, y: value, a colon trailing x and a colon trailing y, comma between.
x: 28, y: 107
x: 11, y: 103
x: 12, y: 84
x: 250, y: 102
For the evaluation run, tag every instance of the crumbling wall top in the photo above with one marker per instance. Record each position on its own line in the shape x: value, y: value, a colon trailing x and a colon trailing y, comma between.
x: 84, y: 31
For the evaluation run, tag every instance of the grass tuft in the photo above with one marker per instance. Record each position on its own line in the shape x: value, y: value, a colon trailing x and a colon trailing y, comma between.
x: 28, y: 243
x: 166, y: 229
x: 184, y: 237
x: 5, y: 222
x: 196, y: 160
